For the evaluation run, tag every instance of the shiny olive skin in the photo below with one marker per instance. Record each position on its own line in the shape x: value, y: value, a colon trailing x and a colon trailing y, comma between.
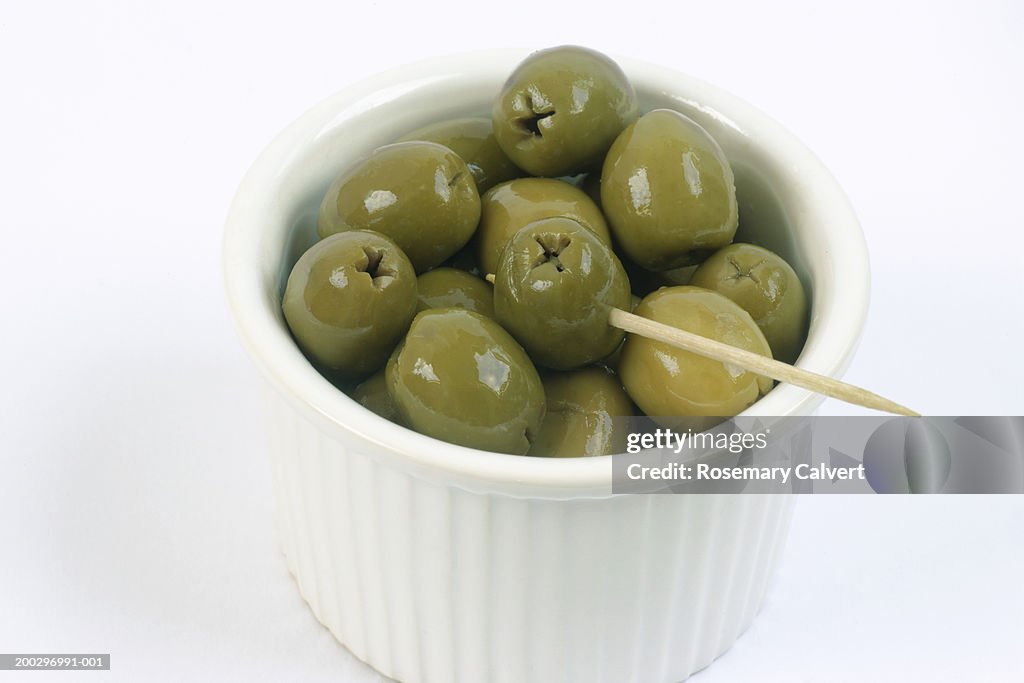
x: 553, y: 290
x: 459, y: 377
x: 510, y: 206
x: 420, y: 194
x: 452, y: 288
x: 766, y: 287
x: 473, y: 140
x: 667, y: 189
x: 665, y: 381
x: 372, y: 394
x: 348, y: 301
x: 560, y: 110
x: 585, y: 411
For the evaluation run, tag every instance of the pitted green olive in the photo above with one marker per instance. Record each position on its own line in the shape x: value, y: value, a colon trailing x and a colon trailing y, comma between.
x: 513, y: 205
x: 766, y: 287
x: 473, y: 140
x: 666, y: 381
x: 372, y: 394
x: 667, y: 190
x: 560, y: 110
x: 349, y: 300
x: 453, y: 288
x: 420, y: 194
x: 555, y: 285
x: 459, y: 377
x: 586, y: 414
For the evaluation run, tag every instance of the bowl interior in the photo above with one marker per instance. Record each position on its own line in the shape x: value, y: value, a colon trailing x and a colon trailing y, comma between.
x: 788, y: 202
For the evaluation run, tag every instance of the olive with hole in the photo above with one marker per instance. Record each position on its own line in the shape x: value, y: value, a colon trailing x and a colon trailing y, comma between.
x: 666, y: 381
x: 372, y: 394
x: 554, y: 287
x: 510, y: 206
x: 420, y: 194
x: 460, y: 377
x: 587, y: 413
x: 452, y: 288
x: 560, y: 110
x: 349, y: 299
x: 766, y: 287
x: 667, y: 190
x: 473, y: 140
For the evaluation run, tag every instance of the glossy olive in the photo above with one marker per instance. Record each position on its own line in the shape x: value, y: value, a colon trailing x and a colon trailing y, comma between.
x: 420, y: 194
x: 372, y: 394
x: 766, y: 287
x: 452, y: 288
x: 553, y: 289
x: 349, y: 299
x: 586, y: 414
x: 473, y: 140
x: 510, y: 206
x: 665, y: 381
x: 458, y: 376
x: 667, y: 189
x: 560, y: 110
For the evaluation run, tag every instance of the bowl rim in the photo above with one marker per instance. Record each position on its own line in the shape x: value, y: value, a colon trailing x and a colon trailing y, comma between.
x: 840, y: 300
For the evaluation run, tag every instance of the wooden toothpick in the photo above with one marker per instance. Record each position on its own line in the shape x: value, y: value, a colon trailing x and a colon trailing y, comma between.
x: 752, y: 362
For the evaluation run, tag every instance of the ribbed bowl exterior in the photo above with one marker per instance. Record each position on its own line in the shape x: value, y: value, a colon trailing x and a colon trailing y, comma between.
x: 426, y: 581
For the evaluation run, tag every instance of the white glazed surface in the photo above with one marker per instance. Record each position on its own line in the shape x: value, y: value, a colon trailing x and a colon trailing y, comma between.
x: 434, y: 562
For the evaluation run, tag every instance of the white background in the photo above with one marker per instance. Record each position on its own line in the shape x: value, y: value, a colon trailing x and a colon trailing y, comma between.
x: 135, y: 509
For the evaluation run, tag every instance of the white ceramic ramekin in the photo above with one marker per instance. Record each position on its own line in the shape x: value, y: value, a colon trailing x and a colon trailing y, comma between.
x: 433, y: 562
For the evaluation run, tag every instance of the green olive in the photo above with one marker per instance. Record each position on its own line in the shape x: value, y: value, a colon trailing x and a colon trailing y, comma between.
x: 473, y: 140
x: 586, y: 411
x: 667, y: 190
x: 553, y: 289
x: 766, y: 287
x: 420, y: 194
x: 452, y: 288
x: 666, y: 381
x: 372, y: 394
x: 459, y: 377
x: 510, y: 206
x: 560, y: 110
x: 348, y: 301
